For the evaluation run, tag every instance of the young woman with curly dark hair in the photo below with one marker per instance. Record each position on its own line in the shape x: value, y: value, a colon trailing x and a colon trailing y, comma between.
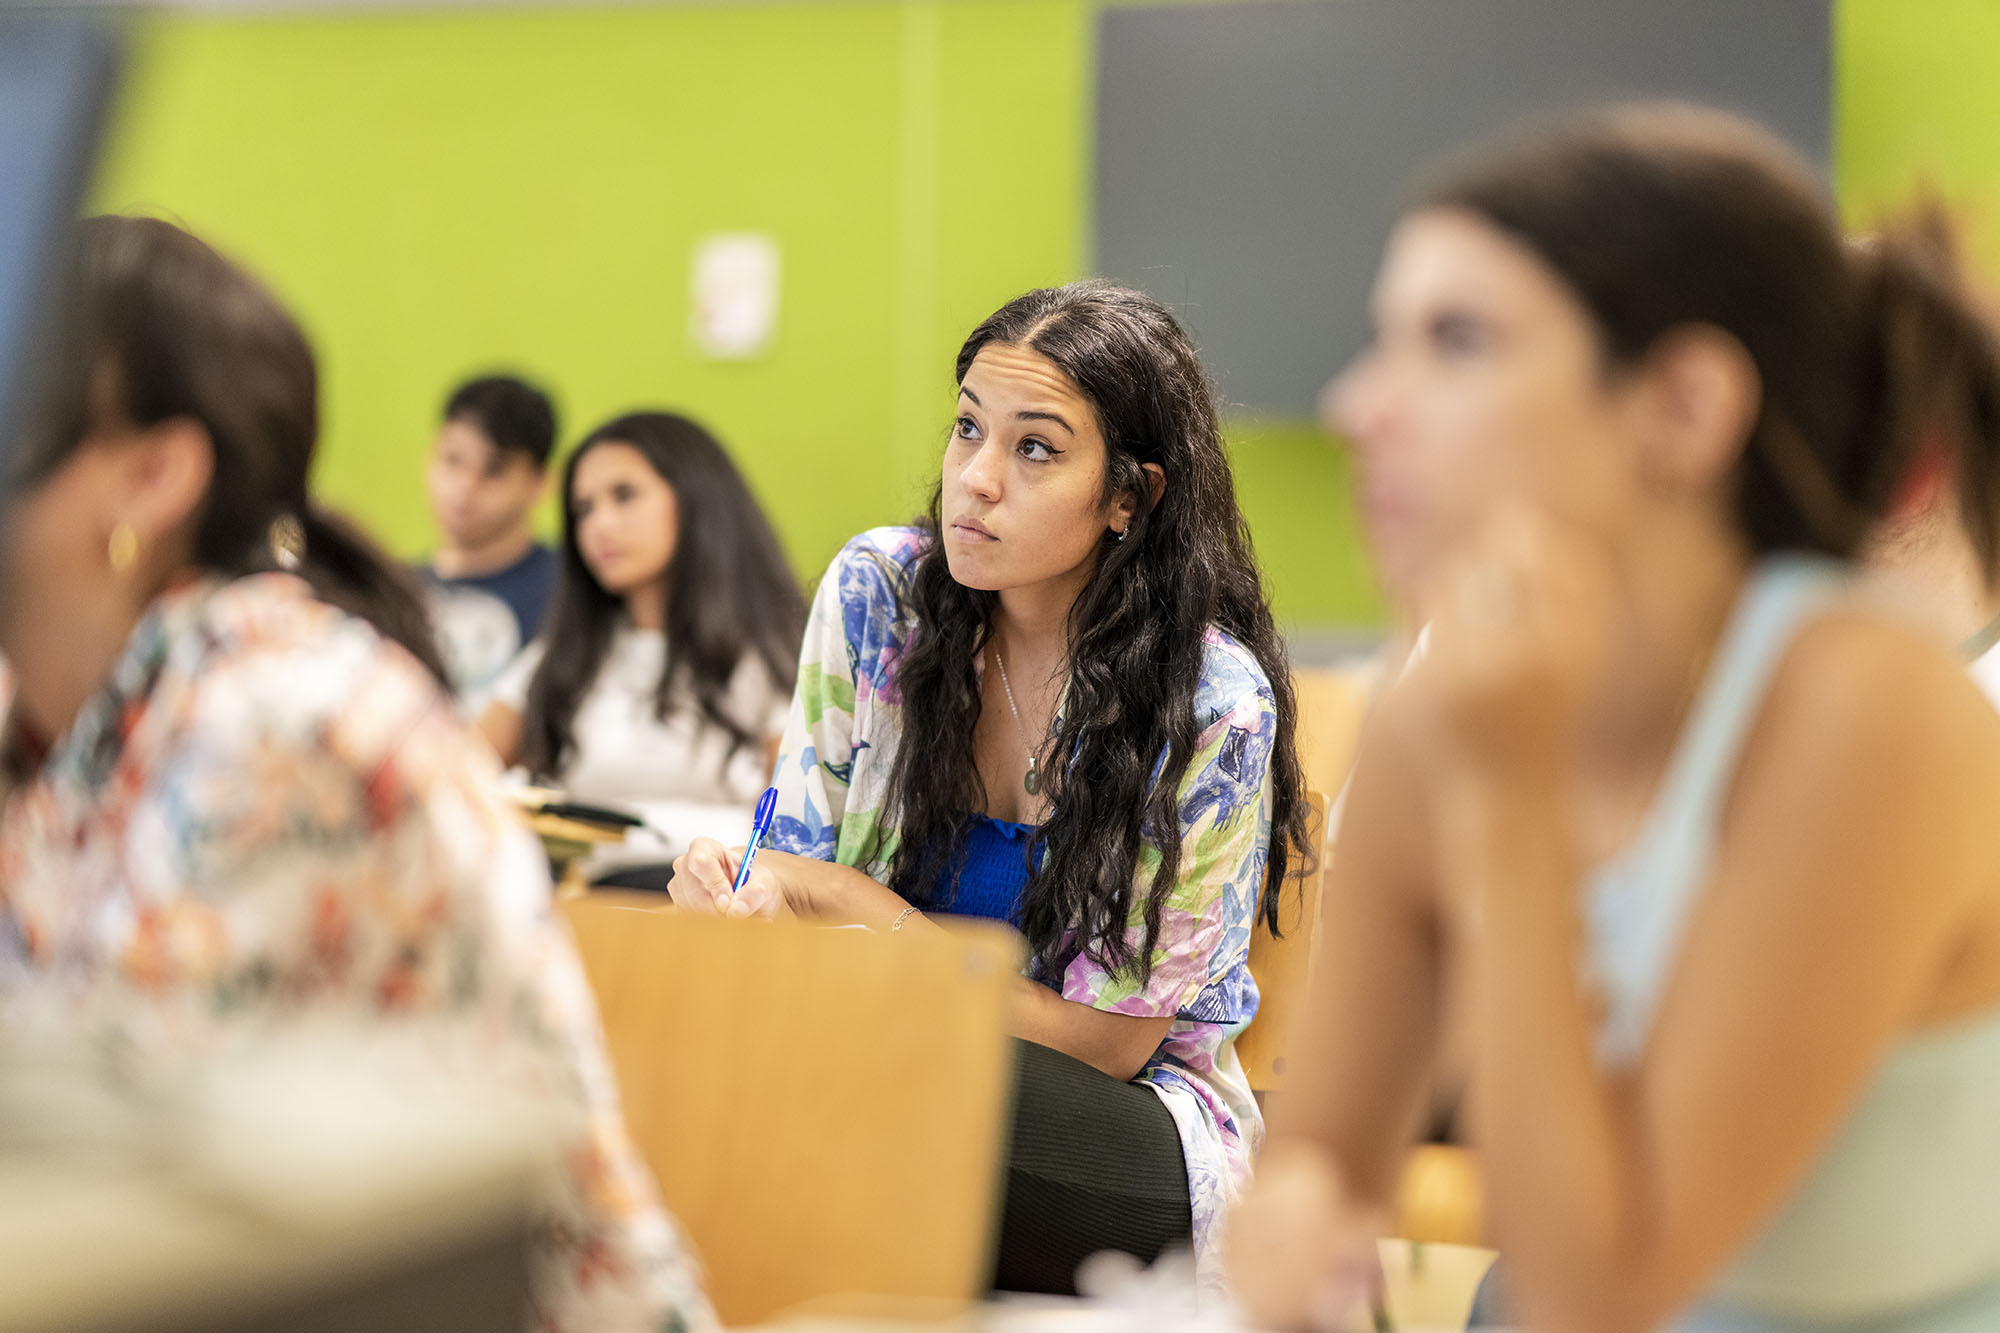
x: 1059, y: 700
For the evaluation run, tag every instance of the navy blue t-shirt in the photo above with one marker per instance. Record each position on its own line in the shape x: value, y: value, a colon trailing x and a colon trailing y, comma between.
x: 483, y: 622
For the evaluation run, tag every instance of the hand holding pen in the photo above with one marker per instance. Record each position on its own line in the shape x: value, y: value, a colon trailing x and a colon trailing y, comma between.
x: 708, y: 878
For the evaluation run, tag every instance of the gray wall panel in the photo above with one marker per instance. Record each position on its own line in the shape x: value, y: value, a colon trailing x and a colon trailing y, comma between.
x: 1250, y: 155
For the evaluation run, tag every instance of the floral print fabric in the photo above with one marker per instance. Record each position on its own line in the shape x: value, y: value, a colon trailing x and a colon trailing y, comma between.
x: 271, y: 814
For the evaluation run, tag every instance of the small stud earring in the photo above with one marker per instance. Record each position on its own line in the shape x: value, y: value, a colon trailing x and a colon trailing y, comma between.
x: 123, y: 549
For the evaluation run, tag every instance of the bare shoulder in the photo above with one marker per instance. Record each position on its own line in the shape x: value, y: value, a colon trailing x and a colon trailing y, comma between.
x: 1866, y: 713
x: 1385, y: 824
x: 1400, y: 731
x: 1863, y: 678
x: 1860, y: 819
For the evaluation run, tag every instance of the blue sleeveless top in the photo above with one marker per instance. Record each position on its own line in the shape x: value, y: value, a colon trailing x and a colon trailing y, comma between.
x: 1897, y: 1228
x: 995, y: 874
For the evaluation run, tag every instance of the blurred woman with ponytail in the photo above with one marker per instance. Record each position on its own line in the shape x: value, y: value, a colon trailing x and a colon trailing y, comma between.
x: 236, y: 793
x: 1697, y: 843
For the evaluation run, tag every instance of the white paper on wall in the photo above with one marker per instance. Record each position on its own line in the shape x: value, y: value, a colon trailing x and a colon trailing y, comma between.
x: 735, y: 307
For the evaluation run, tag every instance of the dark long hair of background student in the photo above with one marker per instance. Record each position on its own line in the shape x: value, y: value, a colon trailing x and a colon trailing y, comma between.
x: 729, y: 592
x: 1128, y: 728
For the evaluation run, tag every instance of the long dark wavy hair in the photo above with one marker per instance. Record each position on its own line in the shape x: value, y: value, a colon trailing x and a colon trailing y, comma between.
x: 1128, y: 728
x: 178, y: 330
x: 728, y: 592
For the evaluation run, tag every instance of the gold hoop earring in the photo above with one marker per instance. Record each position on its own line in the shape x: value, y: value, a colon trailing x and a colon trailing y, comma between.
x: 123, y: 551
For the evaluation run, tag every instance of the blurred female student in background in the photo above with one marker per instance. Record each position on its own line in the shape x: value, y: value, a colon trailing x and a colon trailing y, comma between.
x: 661, y: 683
x: 1059, y: 701
x: 1705, y: 849
x: 236, y: 792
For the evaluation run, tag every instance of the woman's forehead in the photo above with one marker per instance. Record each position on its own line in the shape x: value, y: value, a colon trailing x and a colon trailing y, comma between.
x: 1020, y: 373
x: 1455, y: 254
x: 612, y: 458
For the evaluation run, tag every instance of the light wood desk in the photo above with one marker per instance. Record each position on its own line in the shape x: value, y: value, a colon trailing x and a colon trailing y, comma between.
x: 1429, y: 1289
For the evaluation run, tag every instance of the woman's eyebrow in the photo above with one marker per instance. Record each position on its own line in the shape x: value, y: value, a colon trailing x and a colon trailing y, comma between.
x: 970, y: 394
x: 1042, y: 416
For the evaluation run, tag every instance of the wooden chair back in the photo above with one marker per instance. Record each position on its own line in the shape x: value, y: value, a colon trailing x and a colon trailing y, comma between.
x: 823, y: 1109
x: 1332, y: 702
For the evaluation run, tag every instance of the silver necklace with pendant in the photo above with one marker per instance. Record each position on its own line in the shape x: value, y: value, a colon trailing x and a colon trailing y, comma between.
x: 1033, y: 782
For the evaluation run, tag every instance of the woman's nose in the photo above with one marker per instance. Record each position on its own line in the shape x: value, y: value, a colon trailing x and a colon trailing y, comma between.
x: 1357, y: 402
x: 982, y: 473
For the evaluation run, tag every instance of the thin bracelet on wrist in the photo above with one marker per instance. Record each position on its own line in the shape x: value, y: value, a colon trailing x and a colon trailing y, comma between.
x: 901, y: 917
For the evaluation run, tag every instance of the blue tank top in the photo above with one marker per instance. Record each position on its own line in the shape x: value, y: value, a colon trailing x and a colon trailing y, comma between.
x: 1897, y: 1228
x: 995, y: 874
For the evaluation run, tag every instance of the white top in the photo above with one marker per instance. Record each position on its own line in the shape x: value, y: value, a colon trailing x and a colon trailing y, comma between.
x: 675, y: 772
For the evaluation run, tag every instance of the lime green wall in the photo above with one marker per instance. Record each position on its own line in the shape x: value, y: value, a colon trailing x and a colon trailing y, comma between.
x: 1292, y: 483
x: 438, y: 192
x: 1917, y: 103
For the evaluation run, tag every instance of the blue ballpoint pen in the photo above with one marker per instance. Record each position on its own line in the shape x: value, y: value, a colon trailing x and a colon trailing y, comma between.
x: 767, y: 806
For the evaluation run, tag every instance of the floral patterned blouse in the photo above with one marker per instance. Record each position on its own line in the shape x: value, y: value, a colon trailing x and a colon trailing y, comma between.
x: 833, y: 772
x: 269, y: 814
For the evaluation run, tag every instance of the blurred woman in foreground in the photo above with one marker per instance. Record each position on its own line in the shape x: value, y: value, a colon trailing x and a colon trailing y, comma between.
x: 237, y: 795
x: 1701, y: 850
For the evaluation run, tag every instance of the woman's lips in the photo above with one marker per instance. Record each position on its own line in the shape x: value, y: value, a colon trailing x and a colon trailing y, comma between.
x: 971, y: 530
